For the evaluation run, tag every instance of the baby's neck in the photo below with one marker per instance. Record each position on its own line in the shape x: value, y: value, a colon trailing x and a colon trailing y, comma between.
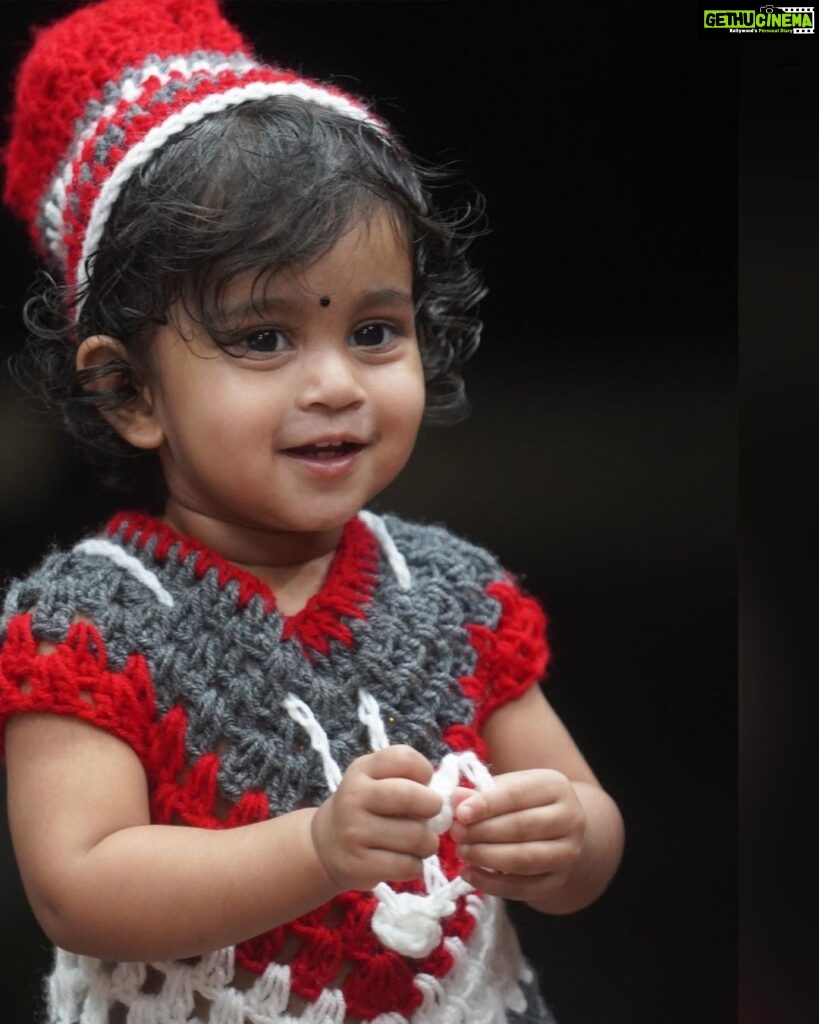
x: 293, y: 564
x: 294, y: 585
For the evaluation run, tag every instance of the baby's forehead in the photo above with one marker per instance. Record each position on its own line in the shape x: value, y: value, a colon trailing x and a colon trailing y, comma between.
x: 372, y: 254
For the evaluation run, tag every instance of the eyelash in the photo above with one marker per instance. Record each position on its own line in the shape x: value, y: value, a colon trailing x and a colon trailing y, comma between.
x: 243, y: 348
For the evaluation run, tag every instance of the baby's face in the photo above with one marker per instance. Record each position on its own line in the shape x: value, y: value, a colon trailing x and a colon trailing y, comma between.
x: 315, y: 407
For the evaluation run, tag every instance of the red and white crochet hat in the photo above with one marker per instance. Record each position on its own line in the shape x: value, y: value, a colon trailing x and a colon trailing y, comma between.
x: 104, y: 88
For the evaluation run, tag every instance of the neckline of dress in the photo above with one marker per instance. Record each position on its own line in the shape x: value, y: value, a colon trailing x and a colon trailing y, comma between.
x: 344, y: 594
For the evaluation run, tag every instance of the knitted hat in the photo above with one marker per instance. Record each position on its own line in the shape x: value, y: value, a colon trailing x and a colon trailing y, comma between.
x: 103, y: 89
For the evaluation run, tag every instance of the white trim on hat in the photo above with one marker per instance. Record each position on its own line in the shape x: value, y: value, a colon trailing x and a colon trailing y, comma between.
x: 177, y: 122
x: 131, y: 87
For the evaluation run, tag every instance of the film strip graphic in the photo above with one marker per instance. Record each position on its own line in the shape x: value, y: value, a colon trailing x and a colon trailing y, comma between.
x: 799, y: 10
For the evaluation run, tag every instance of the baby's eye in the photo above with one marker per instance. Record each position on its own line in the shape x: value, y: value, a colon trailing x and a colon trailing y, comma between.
x: 260, y: 344
x: 377, y: 335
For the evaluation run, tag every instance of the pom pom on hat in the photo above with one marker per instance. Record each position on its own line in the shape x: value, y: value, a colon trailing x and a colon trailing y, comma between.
x: 103, y: 89
x: 76, y: 63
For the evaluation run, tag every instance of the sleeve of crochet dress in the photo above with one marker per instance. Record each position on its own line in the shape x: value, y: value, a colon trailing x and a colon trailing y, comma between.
x: 511, y: 657
x: 66, y: 671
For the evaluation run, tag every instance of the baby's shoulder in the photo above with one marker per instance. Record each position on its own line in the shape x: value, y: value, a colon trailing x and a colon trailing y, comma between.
x: 432, y: 551
x: 72, y: 583
x: 60, y: 575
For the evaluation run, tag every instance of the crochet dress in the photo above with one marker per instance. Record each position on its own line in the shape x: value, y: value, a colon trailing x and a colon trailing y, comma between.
x: 239, y: 713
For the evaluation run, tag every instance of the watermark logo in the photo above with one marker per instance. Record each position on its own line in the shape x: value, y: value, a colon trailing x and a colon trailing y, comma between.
x: 765, y: 20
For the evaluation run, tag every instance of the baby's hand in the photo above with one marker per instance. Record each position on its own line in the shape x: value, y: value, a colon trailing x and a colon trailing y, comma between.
x: 374, y: 828
x: 521, y: 838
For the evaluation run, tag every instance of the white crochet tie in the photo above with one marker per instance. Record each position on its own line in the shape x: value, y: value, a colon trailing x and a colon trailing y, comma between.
x: 378, y: 528
x: 408, y: 922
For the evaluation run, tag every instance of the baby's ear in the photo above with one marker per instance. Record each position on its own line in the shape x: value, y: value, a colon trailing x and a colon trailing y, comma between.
x: 104, y: 366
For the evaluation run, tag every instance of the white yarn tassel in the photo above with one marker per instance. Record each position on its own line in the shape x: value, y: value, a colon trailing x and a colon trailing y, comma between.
x: 408, y: 922
x: 445, y: 781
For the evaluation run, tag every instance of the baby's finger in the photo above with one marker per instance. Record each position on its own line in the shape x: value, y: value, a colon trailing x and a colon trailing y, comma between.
x: 461, y: 793
x: 389, y: 866
x: 529, y: 825
x: 403, y: 798
x: 511, y: 887
x: 398, y: 762
x: 403, y: 836
x: 519, y: 858
x: 514, y: 791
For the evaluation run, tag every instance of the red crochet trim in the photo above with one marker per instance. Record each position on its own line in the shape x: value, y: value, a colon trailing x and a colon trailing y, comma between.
x: 188, y: 794
x: 57, y: 79
x: 348, y: 588
x: 138, y: 126
x: 155, y: 113
x: 335, y: 940
x: 511, y: 657
x: 75, y: 680
x: 338, y: 936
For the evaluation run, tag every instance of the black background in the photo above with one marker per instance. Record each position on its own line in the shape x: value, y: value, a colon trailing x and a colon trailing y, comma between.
x: 599, y: 461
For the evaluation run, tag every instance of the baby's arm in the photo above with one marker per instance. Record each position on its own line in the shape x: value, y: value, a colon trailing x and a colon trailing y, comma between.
x: 547, y: 831
x: 105, y: 882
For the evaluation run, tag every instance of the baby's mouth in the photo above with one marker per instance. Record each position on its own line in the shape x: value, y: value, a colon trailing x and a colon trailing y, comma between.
x: 325, y: 450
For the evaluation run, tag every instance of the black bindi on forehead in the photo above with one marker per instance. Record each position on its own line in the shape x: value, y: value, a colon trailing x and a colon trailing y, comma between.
x: 324, y: 300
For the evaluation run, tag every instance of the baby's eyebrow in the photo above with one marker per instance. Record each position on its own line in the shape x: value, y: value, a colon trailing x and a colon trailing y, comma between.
x: 387, y: 297
x: 268, y: 304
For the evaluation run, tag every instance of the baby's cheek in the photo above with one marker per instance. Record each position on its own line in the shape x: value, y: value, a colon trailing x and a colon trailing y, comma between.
x: 405, y: 384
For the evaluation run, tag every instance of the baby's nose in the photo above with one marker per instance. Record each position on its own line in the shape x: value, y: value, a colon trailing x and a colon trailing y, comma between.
x: 330, y: 378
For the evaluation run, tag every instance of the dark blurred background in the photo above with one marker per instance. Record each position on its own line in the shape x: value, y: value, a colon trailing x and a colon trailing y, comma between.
x: 779, y: 608
x: 599, y: 462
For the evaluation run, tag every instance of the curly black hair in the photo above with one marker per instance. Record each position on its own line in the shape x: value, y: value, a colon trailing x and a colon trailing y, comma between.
x: 256, y: 187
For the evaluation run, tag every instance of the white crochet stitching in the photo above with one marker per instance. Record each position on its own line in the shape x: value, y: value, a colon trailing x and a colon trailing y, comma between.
x: 483, y: 984
x: 132, y: 565
x: 397, y: 561
x: 129, y: 89
x: 407, y: 922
